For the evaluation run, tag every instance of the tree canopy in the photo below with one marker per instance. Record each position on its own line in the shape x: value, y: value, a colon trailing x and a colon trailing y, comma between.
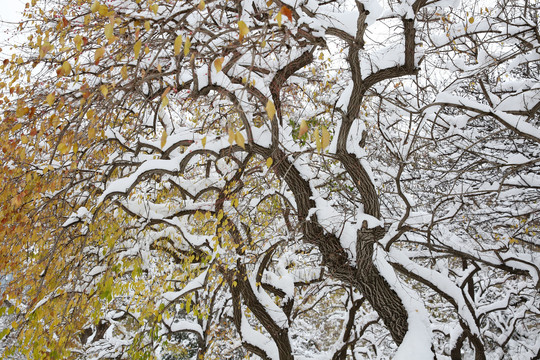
x: 230, y: 179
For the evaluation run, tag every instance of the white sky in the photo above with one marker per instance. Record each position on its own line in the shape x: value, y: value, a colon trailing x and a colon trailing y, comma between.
x: 11, y: 9
x: 10, y: 13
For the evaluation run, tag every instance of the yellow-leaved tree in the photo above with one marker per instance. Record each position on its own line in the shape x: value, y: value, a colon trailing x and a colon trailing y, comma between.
x: 285, y: 180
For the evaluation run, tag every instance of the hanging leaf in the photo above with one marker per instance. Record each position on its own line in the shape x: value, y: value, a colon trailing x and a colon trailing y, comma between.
x: 269, y: 162
x: 471, y: 19
x: 218, y: 63
x: 50, y: 99
x: 20, y: 112
x: 91, y: 133
x: 287, y: 12
x: 63, y: 148
x: 163, y: 138
x: 147, y: 25
x: 164, y: 102
x: 109, y: 28
x: 187, y: 45
x: 203, y: 141
x: 95, y: 7
x: 239, y: 138
x: 317, y: 137
x: 325, y: 140
x: 201, y: 5
x: 104, y: 90
x: 137, y: 48
x: 103, y: 10
x: 270, y: 109
x: 231, y: 136
x: 78, y: 42
x: 44, y: 49
x: 66, y: 67
x: 124, y: 72
x: 279, y: 18
x: 166, y: 92
x: 98, y: 55
x: 177, y: 45
x: 244, y: 29
x: 303, y: 128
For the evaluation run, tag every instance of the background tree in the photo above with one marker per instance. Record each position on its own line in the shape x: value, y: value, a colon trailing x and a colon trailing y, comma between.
x: 272, y: 179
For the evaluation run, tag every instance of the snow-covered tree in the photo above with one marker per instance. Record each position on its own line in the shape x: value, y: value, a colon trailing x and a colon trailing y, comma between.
x: 272, y: 179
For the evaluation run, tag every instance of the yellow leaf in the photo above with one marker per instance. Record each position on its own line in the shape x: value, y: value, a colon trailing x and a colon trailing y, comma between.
x: 317, y: 139
x: 239, y: 138
x: 124, y: 72
x: 99, y: 54
x: 203, y: 141
x: 201, y: 5
x: 78, y: 42
x: 146, y: 49
x: 20, y: 112
x: 104, y: 90
x: 269, y: 162
x: 109, y: 31
x: 103, y: 10
x: 95, y: 7
x: 177, y: 45
x: 45, y: 48
x: 270, y: 109
x: 163, y: 139
x: 218, y: 63
x: 164, y: 101
x: 66, y: 67
x: 187, y: 45
x: 279, y: 18
x: 137, y: 48
x: 154, y: 8
x: 91, y: 133
x: 325, y: 141
x: 63, y: 148
x: 303, y: 128
x: 263, y: 44
x: 244, y: 29
x: 231, y: 136
x: 471, y: 19
x: 50, y: 99
x: 147, y: 25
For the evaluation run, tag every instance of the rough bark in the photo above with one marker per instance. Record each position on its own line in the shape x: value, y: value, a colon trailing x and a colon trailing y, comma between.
x: 364, y: 276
